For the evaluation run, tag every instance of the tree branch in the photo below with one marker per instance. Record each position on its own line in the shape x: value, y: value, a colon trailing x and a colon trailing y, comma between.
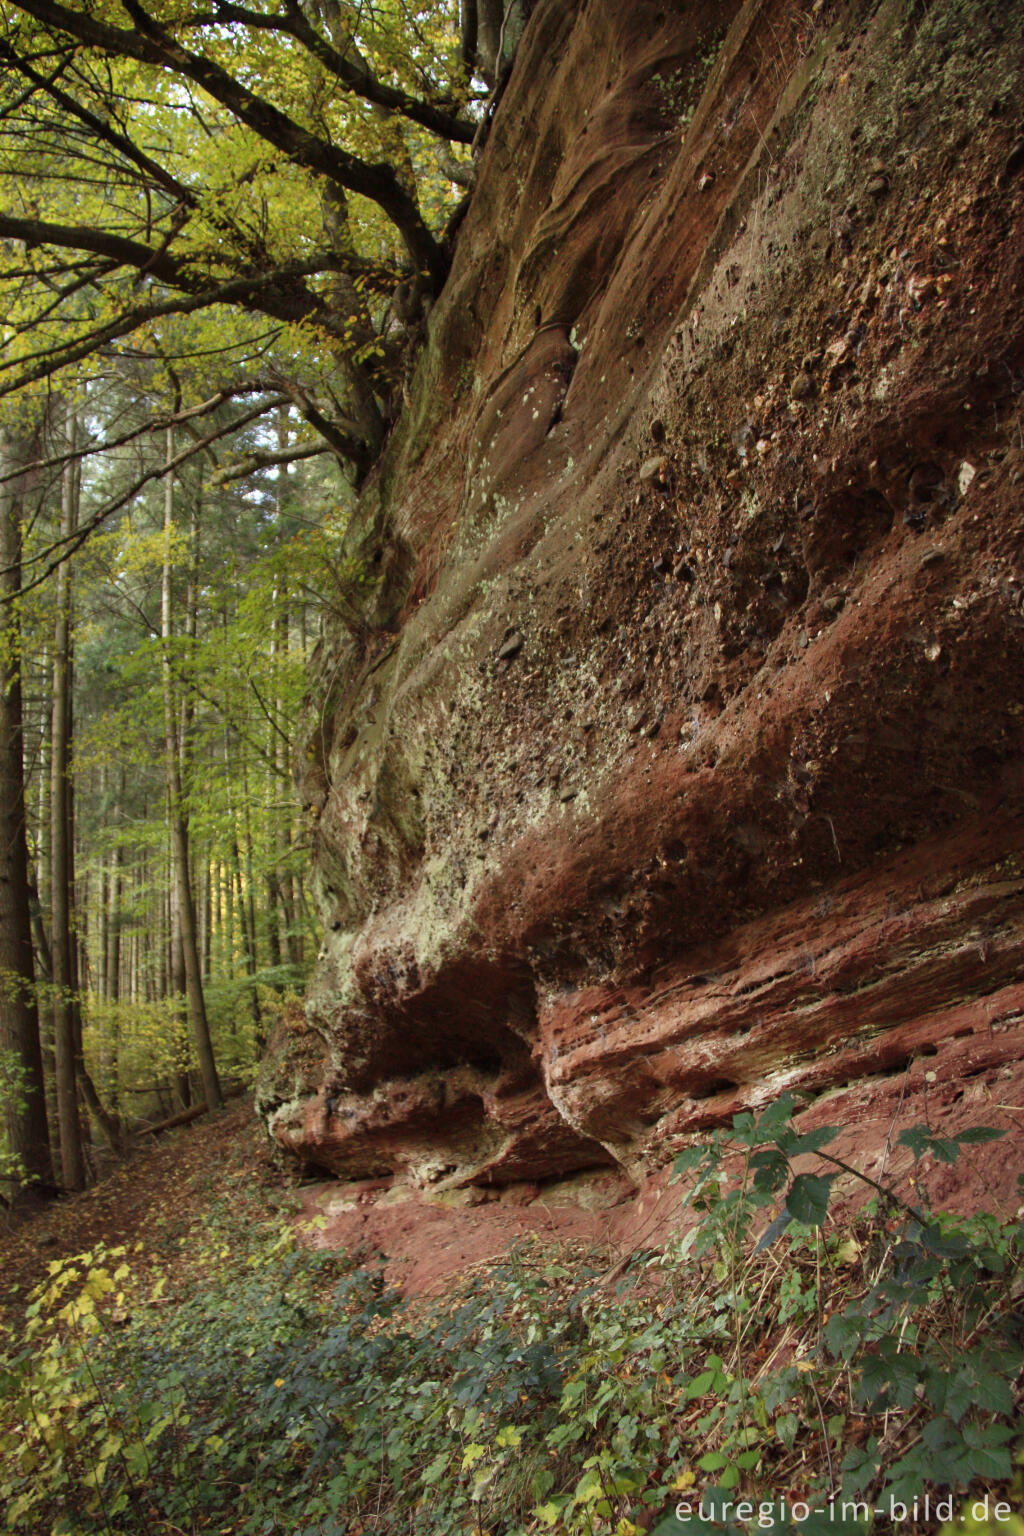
x: 149, y: 43
x: 345, y: 445
x: 279, y: 293
x: 360, y: 81
x: 102, y: 130
x: 158, y: 423
x: 62, y: 549
x: 256, y: 461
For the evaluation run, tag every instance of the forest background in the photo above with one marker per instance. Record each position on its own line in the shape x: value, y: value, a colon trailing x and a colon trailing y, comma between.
x: 221, y: 230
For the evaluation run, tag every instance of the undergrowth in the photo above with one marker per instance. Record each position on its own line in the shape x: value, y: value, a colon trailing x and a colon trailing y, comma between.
x: 773, y: 1368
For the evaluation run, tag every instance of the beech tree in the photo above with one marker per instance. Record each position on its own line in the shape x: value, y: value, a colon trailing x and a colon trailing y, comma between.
x: 276, y: 161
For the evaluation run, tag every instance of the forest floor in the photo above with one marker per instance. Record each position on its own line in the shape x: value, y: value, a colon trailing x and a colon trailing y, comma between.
x: 541, y: 1341
x: 158, y: 1198
x: 155, y: 1197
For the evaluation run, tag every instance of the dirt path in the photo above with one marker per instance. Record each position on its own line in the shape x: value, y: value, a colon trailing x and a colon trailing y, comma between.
x: 154, y: 1198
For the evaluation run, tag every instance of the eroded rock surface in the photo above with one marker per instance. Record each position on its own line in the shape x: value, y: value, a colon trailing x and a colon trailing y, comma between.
x: 677, y: 761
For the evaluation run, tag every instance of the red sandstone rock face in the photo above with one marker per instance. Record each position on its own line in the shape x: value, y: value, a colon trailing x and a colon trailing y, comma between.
x: 678, y: 761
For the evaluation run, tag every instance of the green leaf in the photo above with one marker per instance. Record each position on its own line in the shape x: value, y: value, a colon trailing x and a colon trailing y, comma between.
x: 813, y: 1141
x: 916, y: 1138
x: 437, y: 1468
x: 787, y: 1426
x: 808, y: 1197
x: 687, y: 1161
x: 776, y: 1116
x: 701, y: 1383
x: 770, y: 1168
x: 542, y: 1483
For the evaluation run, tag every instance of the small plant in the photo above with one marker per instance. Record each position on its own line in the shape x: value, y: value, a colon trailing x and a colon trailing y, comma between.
x: 918, y: 1333
x: 12, y: 1100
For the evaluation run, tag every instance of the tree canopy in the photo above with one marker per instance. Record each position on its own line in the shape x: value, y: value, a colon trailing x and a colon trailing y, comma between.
x: 250, y: 200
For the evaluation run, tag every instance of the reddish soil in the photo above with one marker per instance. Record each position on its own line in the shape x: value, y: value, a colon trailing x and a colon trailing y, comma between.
x: 160, y: 1195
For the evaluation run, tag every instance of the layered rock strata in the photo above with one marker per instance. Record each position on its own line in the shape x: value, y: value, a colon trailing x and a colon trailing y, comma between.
x: 675, y: 760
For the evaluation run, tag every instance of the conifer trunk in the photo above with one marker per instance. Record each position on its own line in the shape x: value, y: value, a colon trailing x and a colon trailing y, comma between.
x: 179, y: 831
x: 24, y: 1112
x: 72, y: 1156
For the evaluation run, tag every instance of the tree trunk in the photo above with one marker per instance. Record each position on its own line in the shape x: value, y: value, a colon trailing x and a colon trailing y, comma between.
x: 179, y: 831
x: 28, y: 1139
x: 236, y: 883
x: 177, y: 990
x: 279, y: 747
x: 249, y: 897
x: 61, y: 942
x: 112, y: 978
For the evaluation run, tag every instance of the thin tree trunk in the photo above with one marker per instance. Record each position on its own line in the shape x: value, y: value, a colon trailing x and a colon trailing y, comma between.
x: 179, y: 831
x: 247, y: 898
x: 279, y: 748
x: 112, y: 968
x: 24, y: 1110
x: 71, y: 1153
x: 80, y: 967
x: 238, y: 903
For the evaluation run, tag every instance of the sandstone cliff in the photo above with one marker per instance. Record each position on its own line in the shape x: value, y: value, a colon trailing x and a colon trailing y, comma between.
x: 675, y: 760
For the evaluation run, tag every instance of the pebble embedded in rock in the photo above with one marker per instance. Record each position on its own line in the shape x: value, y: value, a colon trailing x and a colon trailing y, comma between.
x: 654, y: 470
x: 803, y: 386
x: 513, y: 645
x: 965, y: 477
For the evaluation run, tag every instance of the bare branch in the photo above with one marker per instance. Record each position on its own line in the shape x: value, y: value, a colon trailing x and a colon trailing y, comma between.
x: 257, y: 461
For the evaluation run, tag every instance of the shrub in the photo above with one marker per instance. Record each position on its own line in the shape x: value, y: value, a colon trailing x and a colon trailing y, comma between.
x: 770, y: 1354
